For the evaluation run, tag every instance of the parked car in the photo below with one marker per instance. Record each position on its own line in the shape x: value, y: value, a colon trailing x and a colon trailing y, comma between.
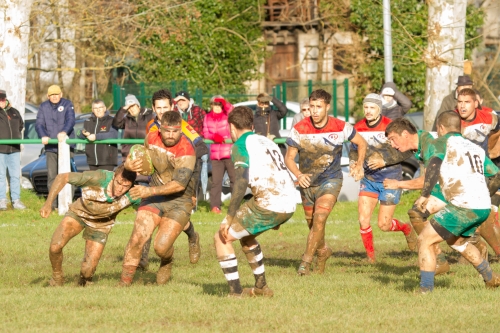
x: 417, y: 118
x: 30, y: 152
x: 30, y: 108
x: 35, y: 172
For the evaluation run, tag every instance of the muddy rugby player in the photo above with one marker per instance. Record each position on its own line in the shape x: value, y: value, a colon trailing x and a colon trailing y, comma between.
x: 460, y: 167
x: 382, y: 161
x: 318, y: 140
x: 166, y: 204
x: 272, y: 203
x: 104, y: 195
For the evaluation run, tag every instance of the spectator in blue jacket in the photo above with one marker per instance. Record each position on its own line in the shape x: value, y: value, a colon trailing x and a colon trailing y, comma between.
x: 99, y: 127
x: 55, y: 120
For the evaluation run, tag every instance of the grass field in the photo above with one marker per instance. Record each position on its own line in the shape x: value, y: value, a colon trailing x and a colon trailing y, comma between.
x: 352, y: 296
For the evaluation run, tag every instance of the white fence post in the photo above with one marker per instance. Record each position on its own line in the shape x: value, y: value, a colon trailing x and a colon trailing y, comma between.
x: 64, y: 165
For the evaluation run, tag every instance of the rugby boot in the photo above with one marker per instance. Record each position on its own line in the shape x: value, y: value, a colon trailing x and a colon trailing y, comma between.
x: 323, y: 256
x: 128, y: 272
x: 194, y: 249
x: 258, y: 292
x: 304, y: 268
x: 57, y: 279
x: 165, y: 271
x: 494, y: 282
x: 84, y: 282
x: 411, y: 239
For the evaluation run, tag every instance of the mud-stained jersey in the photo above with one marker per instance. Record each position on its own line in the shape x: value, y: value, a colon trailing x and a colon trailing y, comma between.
x: 271, y: 183
x: 462, y: 172
x: 320, y: 149
x: 425, y: 146
x: 95, y: 205
x: 175, y: 163
x: 378, y: 144
x: 193, y: 136
x: 478, y: 129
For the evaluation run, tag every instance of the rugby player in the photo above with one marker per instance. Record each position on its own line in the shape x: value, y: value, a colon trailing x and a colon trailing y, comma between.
x: 161, y: 103
x: 382, y: 161
x: 104, y: 195
x: 460, y: 167
x: 318, y: 140
x: 166, y: 204
x: 259, y: 165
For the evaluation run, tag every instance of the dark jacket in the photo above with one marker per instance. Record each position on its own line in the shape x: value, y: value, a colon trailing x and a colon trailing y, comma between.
x: 100, y: 154
x: 448, y: 103
x: 11, y: 126
x: 194, y: 116
x: 402, y: 105
x: 52, y: 119
x: 132, y: 128
x: 268, y: 121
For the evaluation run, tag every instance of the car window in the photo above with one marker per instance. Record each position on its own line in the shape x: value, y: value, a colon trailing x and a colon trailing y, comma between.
x: 29, y: 129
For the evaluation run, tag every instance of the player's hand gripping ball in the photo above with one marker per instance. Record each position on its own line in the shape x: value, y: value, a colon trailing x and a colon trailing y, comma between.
x: 139, y: 152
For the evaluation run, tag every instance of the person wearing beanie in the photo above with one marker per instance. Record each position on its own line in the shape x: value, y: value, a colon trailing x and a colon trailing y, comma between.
x: 55, y: 120
x: 382, y: 162
x: 450, y: 101
x: 395, y: 104
x: 190, y: 112
x: 11, y: 127
x: 133, y: 119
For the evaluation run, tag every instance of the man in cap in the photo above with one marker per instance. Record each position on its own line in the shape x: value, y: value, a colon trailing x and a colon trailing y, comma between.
x: 55, y: 120
x: 394, y: 103
x: 190, y: 112
x: 382, y: 161
x: 11, y: 126
x: 267, y: 119
x: 450, y: 101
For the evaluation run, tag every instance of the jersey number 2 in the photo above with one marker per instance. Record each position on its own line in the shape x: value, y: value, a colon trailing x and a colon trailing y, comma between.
x: 279, y: 163
x: 475, y: 163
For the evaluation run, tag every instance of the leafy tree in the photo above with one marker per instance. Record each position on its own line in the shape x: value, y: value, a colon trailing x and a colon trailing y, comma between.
x: 409, y: 35
x: 216, y: 45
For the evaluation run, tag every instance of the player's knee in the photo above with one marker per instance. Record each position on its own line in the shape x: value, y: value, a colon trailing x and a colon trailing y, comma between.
x: 55, y: 248
x: 416, y: 215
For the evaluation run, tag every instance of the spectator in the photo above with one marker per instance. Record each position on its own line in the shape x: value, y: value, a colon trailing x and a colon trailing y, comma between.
x: 395, y: 103
x: 99, y: 127
x: 55, y: 119
x: 216, y: 128
x: 480, y: 102
x: 450, y: 101
x: 304, y: 112
x: 266, y: 121
x: 133, y: 120
x: 189, y: 111
x: 11, y: 126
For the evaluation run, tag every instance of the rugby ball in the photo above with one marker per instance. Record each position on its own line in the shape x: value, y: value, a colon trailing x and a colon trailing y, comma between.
x: 139, y: 152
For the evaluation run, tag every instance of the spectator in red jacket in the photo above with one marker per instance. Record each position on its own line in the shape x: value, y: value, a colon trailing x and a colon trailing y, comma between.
x: 189, y: 111
x: 216, y: 128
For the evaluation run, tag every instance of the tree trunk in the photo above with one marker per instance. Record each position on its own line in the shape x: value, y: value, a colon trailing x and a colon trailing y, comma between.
x: 445, y: 53
x: 14, y: 36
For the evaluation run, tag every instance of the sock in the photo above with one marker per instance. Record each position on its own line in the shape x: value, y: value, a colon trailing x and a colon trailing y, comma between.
x: 367, y: 238
x: 128, y: 272
x: 190, y: 231
x: 427, y: 280
x: 398, y: 226
x: 255, y: 259
x: 229, y: 267
x: 485, y: 270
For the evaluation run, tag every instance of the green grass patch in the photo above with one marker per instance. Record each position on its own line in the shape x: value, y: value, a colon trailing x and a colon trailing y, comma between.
x: 351, y: 296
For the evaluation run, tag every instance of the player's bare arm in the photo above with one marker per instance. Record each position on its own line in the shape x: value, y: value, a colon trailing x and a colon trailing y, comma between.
x: 59, y: 183
x: 178, y: 183
x: 356, y: 170
x: 303, y: 179
x: 412, y: 184
x: 239, y: 189
x: 390, y: 157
